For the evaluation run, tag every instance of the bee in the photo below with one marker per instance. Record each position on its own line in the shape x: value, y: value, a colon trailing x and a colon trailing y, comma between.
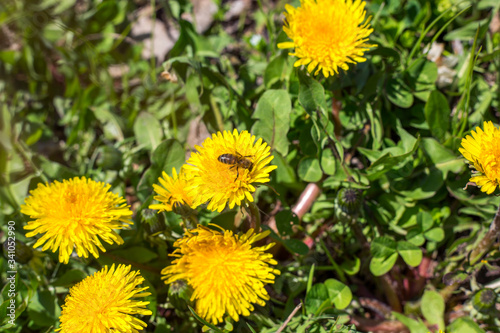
x: 236, y: 161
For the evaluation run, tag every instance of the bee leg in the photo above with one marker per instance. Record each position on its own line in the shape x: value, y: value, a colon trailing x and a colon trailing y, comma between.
x: 237, y: 174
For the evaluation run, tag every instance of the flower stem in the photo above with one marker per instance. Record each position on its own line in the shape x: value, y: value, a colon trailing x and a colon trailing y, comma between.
x: 254, y: 214
x: 217, y: 114
x: 391, y: 295
x: 336, y: 107
x: 487, y: 241
x: 336, y: 267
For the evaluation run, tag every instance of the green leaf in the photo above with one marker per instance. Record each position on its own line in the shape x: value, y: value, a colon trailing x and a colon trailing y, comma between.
x: 410, y: 253
x: 111, y: 123
x: 284, y: 173
x: 43, y: 308
x: 328, y: 162
x: 380, y: 266
x: 468, y: 31
x: 485, y: 4
x: 422, y: 77
x: 273, y: 114
x: 309, y: 170
x: 316, y: 297
x: 148, y: 131
x: 106, y: 11
x: 426, y: 185
x: 9, y: 56
x: 435, y: 234
x: 63, y: 6
x: 437, y: 114
x: 383, y: 247
x: 415, y: 237
x: 225, y: 220
x: 285, y: 220
x: 432, y: 306
x: 137, y: 254
x: 3, y: 312
x: 311, y: 94
x: 169, y: 154
x: 351, y: 267
x: 464, y: 325
x: 274, y: 70
x: 412, y: 324
x: 307, y: 143
x: 383, y: 161
x: 340, y: 295
x: 69, y: 278
x: 296, y: 246
x: 424, y: 220
x: 376, y: 128
x: 442, y: 158
x: 398, y: 93
x: 187, y: 37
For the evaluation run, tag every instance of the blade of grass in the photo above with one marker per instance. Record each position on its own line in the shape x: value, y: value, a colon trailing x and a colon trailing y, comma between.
x: 310, y: 279
x: 204, y: 322
x: 423, y: 34
x: 339, y: 271
x: 440, y: 31
x: 251, y: 329
x: 463, y: 105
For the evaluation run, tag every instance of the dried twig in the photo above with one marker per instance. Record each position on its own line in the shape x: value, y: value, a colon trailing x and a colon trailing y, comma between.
x: 282, y: 327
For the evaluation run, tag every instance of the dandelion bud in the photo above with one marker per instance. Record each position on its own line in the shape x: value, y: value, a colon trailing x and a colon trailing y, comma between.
x: 179, y: 294
x: 349, y: 200
x: 153, y: 222
x: 23, y: 252
x: 484, y: 300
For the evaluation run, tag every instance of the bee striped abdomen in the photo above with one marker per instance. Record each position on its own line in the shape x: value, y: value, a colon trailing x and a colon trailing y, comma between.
x: 228, y: 159
x: 236, y: 162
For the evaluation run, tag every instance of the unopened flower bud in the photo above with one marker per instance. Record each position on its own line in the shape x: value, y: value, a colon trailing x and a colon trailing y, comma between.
x: 484, y: 300
x: 23, y: 253
x: 349, y: 200
x: 153, y: 222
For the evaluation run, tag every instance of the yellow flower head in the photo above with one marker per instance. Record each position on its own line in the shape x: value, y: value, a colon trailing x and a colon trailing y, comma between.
x: 104, y: 303
x: 482, y: 150
x: 225, y: 168
x: 226, y: 273
x: 172, y: 192
x: 74, y: 214
x: 327, y: 34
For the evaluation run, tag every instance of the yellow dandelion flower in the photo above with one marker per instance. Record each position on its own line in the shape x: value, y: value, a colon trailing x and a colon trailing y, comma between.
x: 225, y: 168
x: 226, y: 273
x: 105, y: 302
x: 75, y: 214
x: 482, y: 150
x: 172, y: 192
x: 327, y: 34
